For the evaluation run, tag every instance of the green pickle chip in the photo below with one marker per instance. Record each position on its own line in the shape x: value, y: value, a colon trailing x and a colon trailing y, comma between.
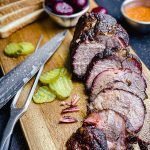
x: 62, y: 87
x: 49, y: 76
x: 13, y: 49
x: 26, y: 48
x: 64, y: 72
x: 43, y: 95
x: 16, y: 49
x: 52, y: 75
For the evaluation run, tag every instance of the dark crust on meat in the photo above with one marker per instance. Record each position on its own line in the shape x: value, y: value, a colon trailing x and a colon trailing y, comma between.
x: 134, y: 139
x: 90, y: 26
x: 87, y: 138
x: 88, y: 29
x: 143, y: 145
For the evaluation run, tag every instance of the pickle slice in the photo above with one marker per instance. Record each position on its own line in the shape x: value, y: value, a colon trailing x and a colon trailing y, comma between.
x: 49, y: 76
x: 26, y: 48
x: 52, y: 75
x: 43, y: 95
x: 62, y: 87
x: 13, y: 49
x: 64, y: 72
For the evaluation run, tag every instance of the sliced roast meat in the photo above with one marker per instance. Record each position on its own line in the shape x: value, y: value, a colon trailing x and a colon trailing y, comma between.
x: 133, y: 62
x: 95, y: 33
x: 98, y: 65
x: 127, y: 104
x: 91, y: 25
x: 121, y: 35
x: 123, y: 79
x: 87, y: 138
x: 84, y: 54
x: 113, y: 125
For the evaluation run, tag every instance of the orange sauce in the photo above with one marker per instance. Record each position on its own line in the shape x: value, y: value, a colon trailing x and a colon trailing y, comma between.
x: 140, y: 13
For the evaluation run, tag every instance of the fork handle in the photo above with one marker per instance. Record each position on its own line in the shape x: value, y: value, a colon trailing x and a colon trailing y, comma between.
x: 9, y: 130
x: 5, y: 144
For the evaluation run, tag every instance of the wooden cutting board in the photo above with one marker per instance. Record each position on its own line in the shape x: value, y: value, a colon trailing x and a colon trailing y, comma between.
x: 40, y: 123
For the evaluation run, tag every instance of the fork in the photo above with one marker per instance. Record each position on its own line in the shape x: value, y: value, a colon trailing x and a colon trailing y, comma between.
x: 16, y: 113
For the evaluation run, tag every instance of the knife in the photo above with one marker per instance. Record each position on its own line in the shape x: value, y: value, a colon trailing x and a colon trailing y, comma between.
x: 22, y: 73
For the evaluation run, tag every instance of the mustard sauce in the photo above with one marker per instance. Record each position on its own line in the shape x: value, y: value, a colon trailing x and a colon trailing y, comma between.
x: 139, y: 13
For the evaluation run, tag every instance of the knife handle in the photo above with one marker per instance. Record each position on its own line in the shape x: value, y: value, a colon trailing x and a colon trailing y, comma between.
x: 5, y: 142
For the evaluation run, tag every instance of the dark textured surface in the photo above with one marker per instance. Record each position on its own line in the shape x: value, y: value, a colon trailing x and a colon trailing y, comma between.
x: 141, y: 43
x: 87, y: 138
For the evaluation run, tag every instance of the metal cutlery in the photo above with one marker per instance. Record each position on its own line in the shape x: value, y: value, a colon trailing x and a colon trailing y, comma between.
x: 21, y: 74
x: 16, y: 113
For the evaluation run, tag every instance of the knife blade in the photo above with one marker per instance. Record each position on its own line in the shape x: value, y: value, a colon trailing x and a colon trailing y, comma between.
x: 22, y: 73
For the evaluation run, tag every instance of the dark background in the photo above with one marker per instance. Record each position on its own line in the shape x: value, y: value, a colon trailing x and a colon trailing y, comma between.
x: 139, y: 42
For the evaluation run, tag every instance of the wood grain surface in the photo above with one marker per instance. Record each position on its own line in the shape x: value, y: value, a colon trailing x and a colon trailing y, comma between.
x: 40, y: 123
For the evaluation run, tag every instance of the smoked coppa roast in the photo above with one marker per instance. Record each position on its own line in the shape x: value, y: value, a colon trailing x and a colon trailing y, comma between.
x: 114, y: 82
x: 95, y: 33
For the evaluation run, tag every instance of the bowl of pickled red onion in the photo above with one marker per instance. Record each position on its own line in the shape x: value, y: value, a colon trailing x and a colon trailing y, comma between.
x: 65, y: 12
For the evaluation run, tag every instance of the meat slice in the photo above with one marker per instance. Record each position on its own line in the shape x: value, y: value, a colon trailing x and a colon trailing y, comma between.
x: 113, y: 125
x: 95, y: 33
x: 129, y: 106
x: 90, y: 25
x: 98, y: 65
x: 123, y: 79
x: 116, y: 61
x: 87, y: 138
x: 84, y: 54
x: 133, y: 62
